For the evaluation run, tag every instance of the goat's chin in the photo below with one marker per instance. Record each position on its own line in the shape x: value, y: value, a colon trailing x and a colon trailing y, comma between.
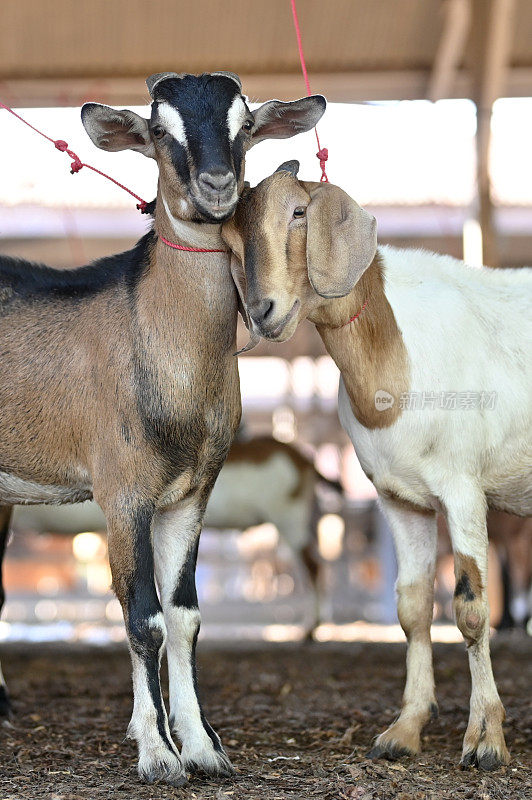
x: 282, y: 336
x: 213, y: 212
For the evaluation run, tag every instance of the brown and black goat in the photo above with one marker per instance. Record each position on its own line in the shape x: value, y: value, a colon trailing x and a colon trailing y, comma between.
x: 119, y: 382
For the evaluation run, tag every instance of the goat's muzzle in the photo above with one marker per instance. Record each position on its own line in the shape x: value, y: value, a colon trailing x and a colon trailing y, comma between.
x: 215, y: 194
x: 269, y: 322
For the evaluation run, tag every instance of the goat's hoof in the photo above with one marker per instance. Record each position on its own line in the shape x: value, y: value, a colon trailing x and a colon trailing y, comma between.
x: 400, y: 740
x: 484, y: 746
x: 486, y: 759
x: 167, y: 769
x: 211, y: 762
x: 391, y: 751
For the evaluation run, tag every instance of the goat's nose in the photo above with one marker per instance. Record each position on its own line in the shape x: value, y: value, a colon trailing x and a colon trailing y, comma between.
x: 259, y: 312
x: 217, y: 180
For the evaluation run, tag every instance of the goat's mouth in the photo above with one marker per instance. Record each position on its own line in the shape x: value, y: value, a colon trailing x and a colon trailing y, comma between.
x: 281, y: 331
x: 214, y: 207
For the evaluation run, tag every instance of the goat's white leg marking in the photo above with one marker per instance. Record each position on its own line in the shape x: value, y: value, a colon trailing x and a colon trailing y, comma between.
x: 176, y: 535
x: 484, y: 743
x: 131, y: 560
x: 415, y: 538
x: 158, y: 756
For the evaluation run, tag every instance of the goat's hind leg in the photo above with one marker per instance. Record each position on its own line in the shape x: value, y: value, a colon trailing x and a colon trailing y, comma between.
x: 415, y: 538
x: 176, y: 532
x: 484, y: 743
x: 132, y: 568
x: 5, y: 519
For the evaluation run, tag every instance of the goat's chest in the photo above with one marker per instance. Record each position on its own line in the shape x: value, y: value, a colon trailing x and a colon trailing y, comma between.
x: 397, y: 459
x: 189, y: 414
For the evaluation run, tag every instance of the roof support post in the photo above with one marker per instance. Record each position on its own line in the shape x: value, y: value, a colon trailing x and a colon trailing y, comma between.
x: 492, y: 31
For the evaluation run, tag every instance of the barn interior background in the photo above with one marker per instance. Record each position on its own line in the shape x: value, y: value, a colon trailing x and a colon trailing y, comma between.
x: 429, y: 126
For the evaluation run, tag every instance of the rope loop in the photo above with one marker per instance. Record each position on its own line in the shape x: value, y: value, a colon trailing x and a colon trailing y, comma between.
x: 323, y: 155
x: 77, y: 163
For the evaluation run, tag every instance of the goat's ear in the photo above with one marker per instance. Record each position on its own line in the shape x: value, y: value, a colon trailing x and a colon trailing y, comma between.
x: 238, y: 274
x: 341, y: 241
x: 112, y: 129
x: 278, y: 120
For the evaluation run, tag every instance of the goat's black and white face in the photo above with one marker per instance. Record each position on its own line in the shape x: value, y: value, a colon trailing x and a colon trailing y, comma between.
x: 199, y: 131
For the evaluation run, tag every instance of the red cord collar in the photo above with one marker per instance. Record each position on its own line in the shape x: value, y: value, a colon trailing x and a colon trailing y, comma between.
x: 190, y: 249
x: 349, y: 321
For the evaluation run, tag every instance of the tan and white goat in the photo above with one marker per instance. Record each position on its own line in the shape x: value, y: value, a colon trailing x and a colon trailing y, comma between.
x: 435, y: 394
x: 118, y: 380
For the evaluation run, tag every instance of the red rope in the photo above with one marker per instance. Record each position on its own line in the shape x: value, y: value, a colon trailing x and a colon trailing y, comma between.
x: 349, y: 321
x: 77, y: 163
x: 323, y: 153
x: 189, y: 249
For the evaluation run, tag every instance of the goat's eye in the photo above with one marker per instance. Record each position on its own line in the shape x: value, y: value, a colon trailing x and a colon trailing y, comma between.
x: 158, y: 131
x: 300, y: 211
x: 248, y: 125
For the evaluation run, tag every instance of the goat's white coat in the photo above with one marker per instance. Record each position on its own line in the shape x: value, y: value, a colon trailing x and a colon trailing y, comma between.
x: 465, y: 329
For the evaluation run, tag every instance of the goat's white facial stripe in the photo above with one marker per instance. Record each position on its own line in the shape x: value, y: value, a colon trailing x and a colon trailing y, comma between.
x: 171, y: 119
x: 235, y: 116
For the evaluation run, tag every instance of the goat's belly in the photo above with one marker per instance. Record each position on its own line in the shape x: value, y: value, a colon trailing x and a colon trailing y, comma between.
x: 14, y: 490
x: 507, y: 477
x: 513, y: 494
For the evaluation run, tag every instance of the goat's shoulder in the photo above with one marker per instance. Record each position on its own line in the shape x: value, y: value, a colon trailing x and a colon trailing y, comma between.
x: 27, y: 280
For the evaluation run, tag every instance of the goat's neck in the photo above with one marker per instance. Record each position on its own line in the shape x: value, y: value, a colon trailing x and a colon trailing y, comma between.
x: 185, y: 232
x: 188, y: 299
x: 369, y: 352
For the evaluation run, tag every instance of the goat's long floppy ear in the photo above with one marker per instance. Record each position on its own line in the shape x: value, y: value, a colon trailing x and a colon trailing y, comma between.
x: 278, y: 120
x: 112, y: 129
x: 341, y: 241
x: 239, y: 277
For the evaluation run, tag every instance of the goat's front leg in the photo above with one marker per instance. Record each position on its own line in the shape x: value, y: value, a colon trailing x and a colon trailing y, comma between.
x: 176, y: 532
x: 415, y: 538
x: 484, y: 743
x: 131, y: 560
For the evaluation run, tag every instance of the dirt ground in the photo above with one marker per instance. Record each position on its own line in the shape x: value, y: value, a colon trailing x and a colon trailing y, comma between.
x: 296, y: 720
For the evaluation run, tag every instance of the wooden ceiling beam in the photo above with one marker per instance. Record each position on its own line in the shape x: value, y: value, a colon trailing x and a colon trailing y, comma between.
x: 338, y: 87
